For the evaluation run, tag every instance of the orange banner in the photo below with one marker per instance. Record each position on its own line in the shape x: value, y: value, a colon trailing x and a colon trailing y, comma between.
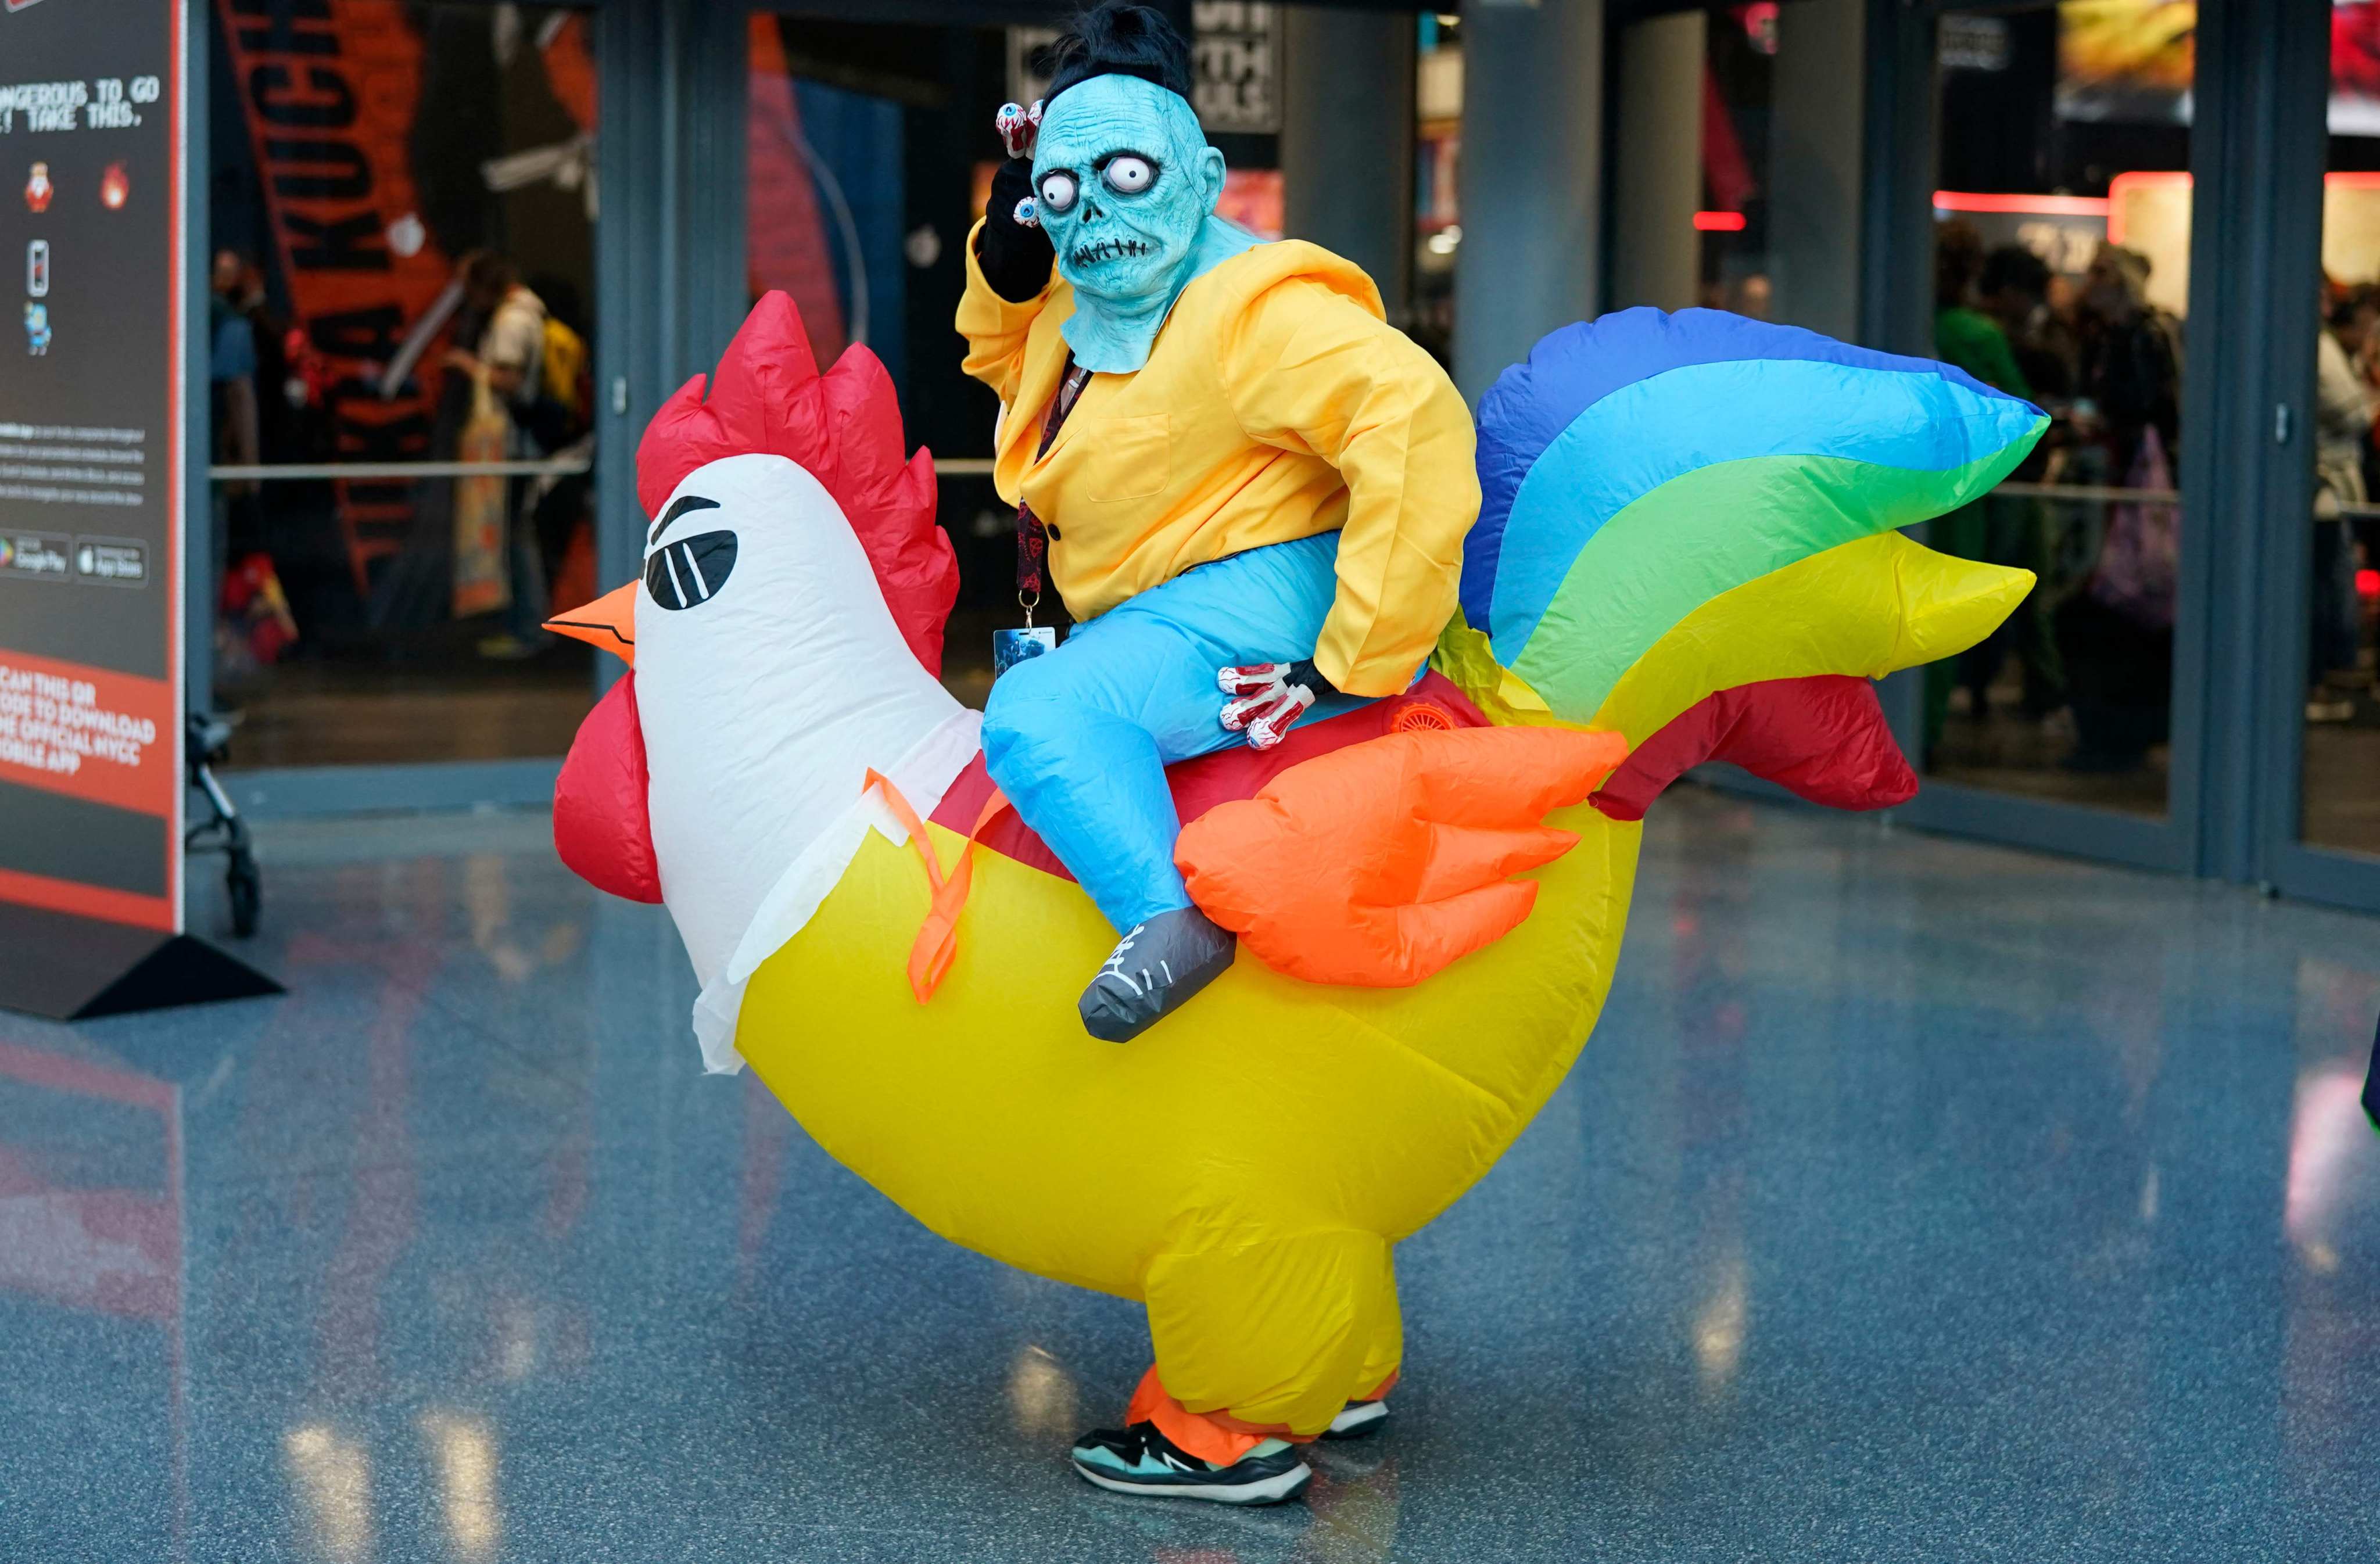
x: 86, y: 901
x: 330, y: 89
x: 87, y: 733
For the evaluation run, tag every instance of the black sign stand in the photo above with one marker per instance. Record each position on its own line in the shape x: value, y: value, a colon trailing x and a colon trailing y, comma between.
x: 93, y: 968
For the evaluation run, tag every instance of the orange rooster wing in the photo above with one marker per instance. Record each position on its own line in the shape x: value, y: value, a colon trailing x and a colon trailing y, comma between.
x: 1380, y: 864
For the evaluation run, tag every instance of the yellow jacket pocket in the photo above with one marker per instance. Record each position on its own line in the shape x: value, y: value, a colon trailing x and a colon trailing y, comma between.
x: 1129, y: 458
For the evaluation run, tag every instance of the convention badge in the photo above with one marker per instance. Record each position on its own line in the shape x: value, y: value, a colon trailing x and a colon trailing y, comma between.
x: 1010, y: 647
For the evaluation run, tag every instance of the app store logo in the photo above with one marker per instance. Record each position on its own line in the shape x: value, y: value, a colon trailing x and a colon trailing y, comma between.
x: 111, y: 562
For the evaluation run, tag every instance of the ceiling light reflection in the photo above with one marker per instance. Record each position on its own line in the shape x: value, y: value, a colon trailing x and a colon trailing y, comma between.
x: 1041, y: 1395
x: 2328, y: 1141
x: 516, y: 1337
x: 1718, y: 1329
x: 333, y: 1476
x: 465, y: 1455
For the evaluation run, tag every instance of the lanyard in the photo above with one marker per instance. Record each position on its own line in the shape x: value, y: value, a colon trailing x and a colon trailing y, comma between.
x: 1032, y: 534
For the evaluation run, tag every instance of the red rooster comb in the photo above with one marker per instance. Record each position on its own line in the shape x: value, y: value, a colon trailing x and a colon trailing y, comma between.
x: 844, y: 428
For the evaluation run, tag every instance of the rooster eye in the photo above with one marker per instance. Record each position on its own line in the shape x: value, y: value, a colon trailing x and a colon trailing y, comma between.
x: 691, y: 570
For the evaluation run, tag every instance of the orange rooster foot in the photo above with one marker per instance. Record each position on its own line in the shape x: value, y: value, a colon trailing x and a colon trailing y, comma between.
x: 1152, y: 972
x: 1381, y: 863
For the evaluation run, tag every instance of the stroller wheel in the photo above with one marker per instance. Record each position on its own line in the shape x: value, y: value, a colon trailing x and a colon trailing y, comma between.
x: 247, y: 890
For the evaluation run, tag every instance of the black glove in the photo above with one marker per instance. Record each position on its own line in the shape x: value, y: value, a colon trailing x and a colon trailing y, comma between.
x: 1015, y: 259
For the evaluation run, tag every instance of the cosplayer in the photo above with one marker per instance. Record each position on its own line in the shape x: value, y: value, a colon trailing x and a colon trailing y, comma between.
x: 1240, y: 468
x: 1425, y: 880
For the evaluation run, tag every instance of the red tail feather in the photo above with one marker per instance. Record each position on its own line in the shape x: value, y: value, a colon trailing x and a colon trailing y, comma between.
x: 1822, y: 737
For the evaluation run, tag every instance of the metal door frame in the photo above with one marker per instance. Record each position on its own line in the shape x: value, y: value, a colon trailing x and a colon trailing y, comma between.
x: 1896, y: 313
x: 2271, y: 566
x: 2232, y: 805
x: 2248, y: 378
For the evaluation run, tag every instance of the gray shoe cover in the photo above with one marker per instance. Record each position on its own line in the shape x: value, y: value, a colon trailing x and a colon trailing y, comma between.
x: 1154, y: 968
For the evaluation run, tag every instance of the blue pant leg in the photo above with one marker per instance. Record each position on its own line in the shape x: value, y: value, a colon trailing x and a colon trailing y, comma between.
x: 1079, y: 738
x: 1088, y: 778
x: 1264, y: 605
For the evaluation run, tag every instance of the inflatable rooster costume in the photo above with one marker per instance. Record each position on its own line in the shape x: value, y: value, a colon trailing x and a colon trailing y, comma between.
x: 1405, y: 894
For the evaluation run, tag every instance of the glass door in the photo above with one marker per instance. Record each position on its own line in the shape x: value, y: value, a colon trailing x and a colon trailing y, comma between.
x: 2062, y: 274
x: 2058, y: 260
x: 402, y: 215
x: 2322, y: 828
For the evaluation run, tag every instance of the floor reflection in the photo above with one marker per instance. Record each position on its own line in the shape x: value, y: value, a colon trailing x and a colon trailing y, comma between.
x: 1911, y: 1189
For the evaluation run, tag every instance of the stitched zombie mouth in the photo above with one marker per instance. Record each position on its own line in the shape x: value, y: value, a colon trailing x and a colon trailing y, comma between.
x: 1108, y: 249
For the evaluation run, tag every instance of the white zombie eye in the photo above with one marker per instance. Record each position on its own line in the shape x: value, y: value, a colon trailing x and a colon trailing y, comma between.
x: 1057, y: 190
x: 1129, y: 176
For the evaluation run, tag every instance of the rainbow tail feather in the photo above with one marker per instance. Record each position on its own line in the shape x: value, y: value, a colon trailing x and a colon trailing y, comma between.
x: 1678, y: 505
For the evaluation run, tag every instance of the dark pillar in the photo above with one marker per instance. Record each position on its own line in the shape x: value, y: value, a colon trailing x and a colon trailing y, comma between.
x: 1347, y: 139
x: 1532, y: 180
x: 670, y: 267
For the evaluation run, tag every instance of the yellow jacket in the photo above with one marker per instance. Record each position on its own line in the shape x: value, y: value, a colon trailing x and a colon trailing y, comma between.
x: 1277, y: 402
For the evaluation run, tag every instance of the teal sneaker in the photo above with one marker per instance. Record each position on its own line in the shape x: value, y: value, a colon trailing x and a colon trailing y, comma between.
x: 1139, y: 1460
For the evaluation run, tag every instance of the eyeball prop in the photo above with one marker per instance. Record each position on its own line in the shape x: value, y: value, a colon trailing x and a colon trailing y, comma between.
x: 1128, y: 174
x: 1025, y: 214
x: 1059, y: 191
x: 1018, y: 126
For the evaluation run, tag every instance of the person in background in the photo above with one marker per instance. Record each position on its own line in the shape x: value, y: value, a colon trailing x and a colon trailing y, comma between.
x: 231, y: 364
x: 2014, y: 289
x: 2131, y: 358
x: 1963, y: 335
x: 1969, y: 339
x: 2343, y: 413
x: 1755, y: 297
x: 231, y: 384
x: 509, y: 355
x: 512, y: 342
x: 2114, y: 636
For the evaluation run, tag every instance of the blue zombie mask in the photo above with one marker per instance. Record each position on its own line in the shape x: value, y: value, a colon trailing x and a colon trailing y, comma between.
x: 1126, y: 186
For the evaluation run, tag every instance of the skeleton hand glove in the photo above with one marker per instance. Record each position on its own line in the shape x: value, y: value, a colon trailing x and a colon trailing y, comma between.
x: 1270, y: 697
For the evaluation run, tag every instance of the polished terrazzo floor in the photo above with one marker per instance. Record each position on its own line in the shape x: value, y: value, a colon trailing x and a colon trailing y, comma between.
x: 1915, y: 1200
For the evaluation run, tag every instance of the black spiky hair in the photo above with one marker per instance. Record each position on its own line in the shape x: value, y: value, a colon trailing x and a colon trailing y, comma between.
x: 1115, y: 39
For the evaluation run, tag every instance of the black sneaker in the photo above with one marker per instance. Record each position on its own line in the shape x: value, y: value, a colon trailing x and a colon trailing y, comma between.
x: 1139, y: 1460
x: 1152, y: 971
x: 1357, y: 1420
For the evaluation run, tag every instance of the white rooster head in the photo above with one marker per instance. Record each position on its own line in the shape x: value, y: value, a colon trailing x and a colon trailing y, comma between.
x: 785, y: 632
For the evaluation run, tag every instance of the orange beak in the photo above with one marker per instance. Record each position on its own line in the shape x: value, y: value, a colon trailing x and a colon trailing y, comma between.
x: 609, y: 622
